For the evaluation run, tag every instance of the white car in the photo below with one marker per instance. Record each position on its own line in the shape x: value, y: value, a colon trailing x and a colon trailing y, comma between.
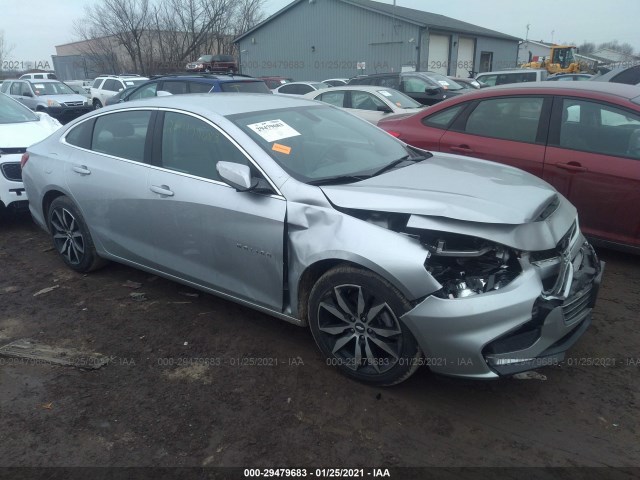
x: 368, y: 102
x: 19, y: 128
x: 300, y: 88
x: 105, y: 86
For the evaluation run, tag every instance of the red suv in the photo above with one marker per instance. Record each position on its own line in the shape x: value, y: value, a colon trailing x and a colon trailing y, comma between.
x: 581, y: 137
x: 214, y: 63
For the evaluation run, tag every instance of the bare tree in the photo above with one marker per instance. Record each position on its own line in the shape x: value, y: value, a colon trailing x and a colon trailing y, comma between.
x: 162, y: 35
x: 5, y: 49
x: 624, y: 48
x: 587, y: 47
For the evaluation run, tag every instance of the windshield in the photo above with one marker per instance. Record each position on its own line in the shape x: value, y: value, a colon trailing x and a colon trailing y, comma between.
x: 12, y: 111
x: 321, y: 142
x: 445, y: 82
x: 399, y: 99
x: 245, y: 87
x: 51, y: 88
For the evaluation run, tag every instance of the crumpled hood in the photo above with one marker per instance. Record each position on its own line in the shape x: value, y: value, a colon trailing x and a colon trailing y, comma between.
x: 450, y: 186
x: 22, y: 135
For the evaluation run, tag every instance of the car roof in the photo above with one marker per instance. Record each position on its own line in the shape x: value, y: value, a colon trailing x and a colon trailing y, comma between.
x: 512, y: 70
x: 364, y: 88
x: 614, y: 89
x: 42, y: 80
x: 221, y: 103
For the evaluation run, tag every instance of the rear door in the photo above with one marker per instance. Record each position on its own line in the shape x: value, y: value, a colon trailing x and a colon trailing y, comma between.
x: 107, y: 177
x: 509, y: 130
x: 205, y: 231
x: 593, y: 159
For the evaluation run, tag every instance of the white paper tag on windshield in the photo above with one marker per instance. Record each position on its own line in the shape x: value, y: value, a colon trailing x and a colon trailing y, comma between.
x: 273, y: 130
x: 129, y: 83
x: 384, y: 92
x: 443, y: 83
x: 39, y: 85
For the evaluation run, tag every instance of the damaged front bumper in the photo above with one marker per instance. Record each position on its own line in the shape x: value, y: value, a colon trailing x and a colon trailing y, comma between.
x: 529, y: 323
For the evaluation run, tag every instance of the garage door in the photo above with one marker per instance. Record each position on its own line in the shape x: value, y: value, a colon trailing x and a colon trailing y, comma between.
x: 439, y: 53
x: 465, y: 57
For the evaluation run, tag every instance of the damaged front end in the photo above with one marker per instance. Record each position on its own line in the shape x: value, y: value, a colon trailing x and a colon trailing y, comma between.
x: 501, y: 309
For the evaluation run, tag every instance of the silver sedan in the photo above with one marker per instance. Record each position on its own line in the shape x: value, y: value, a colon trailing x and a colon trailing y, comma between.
x: 371, y: 103
x: 393, y: 256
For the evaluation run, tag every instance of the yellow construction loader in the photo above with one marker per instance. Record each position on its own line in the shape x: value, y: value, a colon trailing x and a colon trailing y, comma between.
x: 560, y: 60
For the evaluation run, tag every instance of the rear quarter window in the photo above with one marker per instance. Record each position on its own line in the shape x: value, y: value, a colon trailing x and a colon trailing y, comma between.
x: 80, y: 135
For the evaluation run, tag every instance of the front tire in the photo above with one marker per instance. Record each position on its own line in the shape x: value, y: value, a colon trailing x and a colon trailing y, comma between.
x: 354, y: 316
x: 71, y: 237
x: 97, y: 104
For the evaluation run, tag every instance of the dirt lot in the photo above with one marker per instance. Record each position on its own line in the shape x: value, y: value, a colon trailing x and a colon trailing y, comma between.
x: 158, y: 403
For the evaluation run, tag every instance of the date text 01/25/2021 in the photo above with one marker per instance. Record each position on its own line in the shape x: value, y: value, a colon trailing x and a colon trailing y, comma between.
x: 317, y: 473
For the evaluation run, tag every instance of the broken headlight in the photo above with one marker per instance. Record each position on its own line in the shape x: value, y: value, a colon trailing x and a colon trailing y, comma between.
x: 467, y: 266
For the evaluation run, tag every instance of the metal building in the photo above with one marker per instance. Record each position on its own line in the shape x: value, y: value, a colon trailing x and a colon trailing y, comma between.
x: 319, y: 39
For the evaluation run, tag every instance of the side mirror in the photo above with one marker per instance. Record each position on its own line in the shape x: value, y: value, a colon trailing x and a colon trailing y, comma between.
x: 384, y: 109
x: 432, y: 90
x: 120, y: 89
x: 237, y: 176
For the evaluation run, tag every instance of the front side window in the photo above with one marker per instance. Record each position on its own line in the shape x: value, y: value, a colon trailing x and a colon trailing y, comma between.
x: 599, y: 128
x: 146, y: 91
x: 507, y: 118
x: 190, y: 145
x: 415, y: 85
x: 245, y: 87
x: 199, y: 87
x: 97, y: 82
x: 365, y: 101
x: 121, y: 134
x: 488, y: 80
x: 111, y: 85
x: 175, y: 88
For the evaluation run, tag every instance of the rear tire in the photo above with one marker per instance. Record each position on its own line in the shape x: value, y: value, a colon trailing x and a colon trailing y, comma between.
x: 71, y: 237
x: 354, y: 316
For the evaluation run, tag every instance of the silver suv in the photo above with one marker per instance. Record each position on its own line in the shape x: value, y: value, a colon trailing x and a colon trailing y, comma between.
x: 106, y: 86
x: 49, y: 96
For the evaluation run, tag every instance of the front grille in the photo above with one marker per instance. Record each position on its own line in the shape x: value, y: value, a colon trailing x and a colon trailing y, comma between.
x: 575, y: 306
x: 12, y: 171
x: 73, y: 104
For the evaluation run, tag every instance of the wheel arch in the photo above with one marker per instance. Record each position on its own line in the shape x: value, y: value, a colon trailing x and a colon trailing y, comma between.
x: 312, y: 273
x: 47, y: 199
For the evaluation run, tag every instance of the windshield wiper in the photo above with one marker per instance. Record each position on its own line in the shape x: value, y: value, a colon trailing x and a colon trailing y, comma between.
x: 338, y: 180
x: 406, y: 158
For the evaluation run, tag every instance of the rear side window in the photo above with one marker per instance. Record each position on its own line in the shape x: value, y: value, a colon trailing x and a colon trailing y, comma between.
x: 335, y: 98
x: 507, y: 118
x: 80, y: 135
x: 245, y: 87
x: 121, y: 134
x: 442, y: 119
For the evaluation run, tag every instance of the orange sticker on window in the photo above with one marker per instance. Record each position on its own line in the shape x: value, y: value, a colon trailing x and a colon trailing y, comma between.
x: 281, y: 148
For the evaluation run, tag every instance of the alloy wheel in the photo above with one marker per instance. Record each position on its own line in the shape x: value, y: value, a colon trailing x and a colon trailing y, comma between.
x: 67, y: 236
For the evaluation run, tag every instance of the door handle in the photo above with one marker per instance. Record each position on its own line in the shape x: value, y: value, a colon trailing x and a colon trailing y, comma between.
x: 461, y: 149
x: 81, y: 169
x: 161, y: 190
x: 572, y: 167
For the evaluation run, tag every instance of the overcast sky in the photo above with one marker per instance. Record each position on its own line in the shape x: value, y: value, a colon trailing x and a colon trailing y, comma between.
x: 34, y: 27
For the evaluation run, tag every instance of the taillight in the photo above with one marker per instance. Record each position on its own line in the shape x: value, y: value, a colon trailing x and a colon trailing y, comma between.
x: 24, y: 159
x: 393, y: 134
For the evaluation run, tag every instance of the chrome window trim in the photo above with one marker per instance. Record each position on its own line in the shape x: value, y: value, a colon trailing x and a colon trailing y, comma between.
x: 63, y: 140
